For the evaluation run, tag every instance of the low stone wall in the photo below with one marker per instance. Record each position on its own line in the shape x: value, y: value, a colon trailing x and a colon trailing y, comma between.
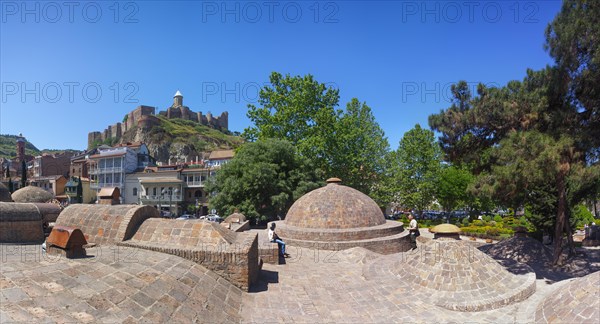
x: 50, y: 212
x: 333, y: 235
x: 383, y: 245
x: 234, y: 256
x: 21, y: 223
x: 105, y: 223
x: 240, y: 227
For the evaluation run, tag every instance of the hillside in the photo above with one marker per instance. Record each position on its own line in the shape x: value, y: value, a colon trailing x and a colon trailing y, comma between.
x: 178, y: 139
x: 8, y: 147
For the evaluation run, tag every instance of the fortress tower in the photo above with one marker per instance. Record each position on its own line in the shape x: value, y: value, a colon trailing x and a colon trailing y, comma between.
x: 177, y: 99
x: 20, y: 147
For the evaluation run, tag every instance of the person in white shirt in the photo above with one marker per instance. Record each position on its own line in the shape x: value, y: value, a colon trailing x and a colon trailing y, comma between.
x: 274, y: 238
x: 413, y: 229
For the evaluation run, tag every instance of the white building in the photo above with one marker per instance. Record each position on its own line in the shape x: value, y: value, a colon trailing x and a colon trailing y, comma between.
x: 110, y: 165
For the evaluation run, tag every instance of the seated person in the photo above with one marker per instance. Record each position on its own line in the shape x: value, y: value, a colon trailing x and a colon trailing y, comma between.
x: 274, y: 238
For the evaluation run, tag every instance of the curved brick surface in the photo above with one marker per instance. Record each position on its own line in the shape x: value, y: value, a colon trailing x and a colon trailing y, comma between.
x: 184, y: 233
x: 576, y: 302
x: 105, y: 223
x: 31, y: 194
x: 333, y: 234
x: 234, y: 256
x: 123, y: 285
x: 334, y: 206
x: 20, y: 223
x: 457, y: 276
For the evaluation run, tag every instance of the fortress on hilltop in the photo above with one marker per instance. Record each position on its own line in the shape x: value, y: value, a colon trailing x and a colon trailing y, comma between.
x: 145, y: 117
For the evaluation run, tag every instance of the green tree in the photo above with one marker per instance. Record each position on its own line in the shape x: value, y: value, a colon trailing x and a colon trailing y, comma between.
x: 79, y: 195
x: 23, y: 174
x: 416, y: 168
x: 452, y: 187
x: 262, y: 180
x: 299, y: 110
x: 358, y: 149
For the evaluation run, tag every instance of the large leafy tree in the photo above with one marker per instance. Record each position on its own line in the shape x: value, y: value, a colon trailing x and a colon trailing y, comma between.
x: 347, y: 144
x: 452, y: 187
x: 262, y: 180
x: 416, y: 167
x: 297, y: 109
x: 359, y: 148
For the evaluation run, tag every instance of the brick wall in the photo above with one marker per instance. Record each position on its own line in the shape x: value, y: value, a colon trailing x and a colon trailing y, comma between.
x: 20, y: 223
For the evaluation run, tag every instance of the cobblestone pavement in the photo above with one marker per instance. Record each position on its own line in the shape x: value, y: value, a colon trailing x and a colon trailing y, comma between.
x: 130, y: 285
x: 324, y: 286
x: 116, y: 285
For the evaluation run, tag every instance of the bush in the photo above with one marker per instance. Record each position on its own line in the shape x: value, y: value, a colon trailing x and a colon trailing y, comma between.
x: 493, y: 231
x: 582, y: 216
x: 465, y: 221
x: 498, y: 218
x: 478, y: 223
x: 487, y: 218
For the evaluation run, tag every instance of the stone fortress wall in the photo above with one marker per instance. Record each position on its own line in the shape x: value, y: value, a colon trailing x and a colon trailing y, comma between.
x: 145, y: 117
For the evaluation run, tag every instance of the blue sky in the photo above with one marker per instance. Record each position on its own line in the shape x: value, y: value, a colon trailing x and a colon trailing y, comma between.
x: 398, y: 56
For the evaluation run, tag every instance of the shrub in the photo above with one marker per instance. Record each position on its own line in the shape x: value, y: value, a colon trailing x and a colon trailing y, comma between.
x: 498, y: 218
x: 487, y: 218
x: 465, y: 221
x: 493, y: 231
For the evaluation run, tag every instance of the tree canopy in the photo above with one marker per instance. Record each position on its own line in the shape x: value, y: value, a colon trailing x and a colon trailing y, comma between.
x: 262, y: 180
x: 348, y: 144
x: 416, y: 166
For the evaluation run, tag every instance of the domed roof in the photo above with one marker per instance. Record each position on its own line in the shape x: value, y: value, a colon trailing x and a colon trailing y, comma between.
x: 236, y: 217
x: 334, y: 206
x: 177, y: 94
x: 445, y: 229
x: 4, y: 194
x: 32, y: 194
x: 577, y: 301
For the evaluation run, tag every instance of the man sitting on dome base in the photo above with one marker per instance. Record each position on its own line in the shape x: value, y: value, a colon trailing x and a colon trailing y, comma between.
x: 274, y: 238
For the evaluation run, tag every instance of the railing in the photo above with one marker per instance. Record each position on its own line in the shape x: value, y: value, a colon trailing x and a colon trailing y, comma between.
x: 106, y: 170
x: 164, y: 198
x: 195, y: 183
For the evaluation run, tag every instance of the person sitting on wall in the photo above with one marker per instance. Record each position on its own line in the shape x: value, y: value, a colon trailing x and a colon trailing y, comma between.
x: 274, y: 238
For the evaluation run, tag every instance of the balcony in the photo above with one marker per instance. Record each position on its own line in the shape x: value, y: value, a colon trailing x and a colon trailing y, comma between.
x: 192, y: 184
x: 106, y: 170
x: 162, y: 199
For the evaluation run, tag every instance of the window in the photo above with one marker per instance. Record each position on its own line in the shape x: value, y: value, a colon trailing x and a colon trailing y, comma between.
x: 135, y: 191
x: 198, y: 194
x: 50, y: 185
x: 154, y: 191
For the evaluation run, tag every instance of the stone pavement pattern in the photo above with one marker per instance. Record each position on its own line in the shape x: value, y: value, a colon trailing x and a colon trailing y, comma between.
x: 326, y: 286
x: 117, y: 285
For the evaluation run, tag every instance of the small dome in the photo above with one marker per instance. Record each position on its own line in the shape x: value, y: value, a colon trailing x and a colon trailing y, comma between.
x: 445, y: 229
x: 236, y: 217
x: 177, y: 94
x: 4, y: 194
x: 336, y: 207
x: 32, y: 194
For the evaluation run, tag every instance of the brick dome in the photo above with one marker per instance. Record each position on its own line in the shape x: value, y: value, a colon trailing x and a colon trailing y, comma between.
x: 336, y: 207
x: 32, y: 194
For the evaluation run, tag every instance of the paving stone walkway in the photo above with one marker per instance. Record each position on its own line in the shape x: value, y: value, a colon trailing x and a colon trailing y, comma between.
x: 117, y: 285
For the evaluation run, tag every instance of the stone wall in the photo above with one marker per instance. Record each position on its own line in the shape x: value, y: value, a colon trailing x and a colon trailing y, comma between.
x: 21, y: 223
x: 334, y: 234
x: 105, y: 223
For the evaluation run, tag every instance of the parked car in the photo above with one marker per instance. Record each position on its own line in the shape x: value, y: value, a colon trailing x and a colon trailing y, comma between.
x: 185, y: 216
x: 214, y: 218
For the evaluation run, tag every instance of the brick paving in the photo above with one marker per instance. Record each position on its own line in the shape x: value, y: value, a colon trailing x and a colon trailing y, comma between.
x: 116, y: 285
x: 130, y: 285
